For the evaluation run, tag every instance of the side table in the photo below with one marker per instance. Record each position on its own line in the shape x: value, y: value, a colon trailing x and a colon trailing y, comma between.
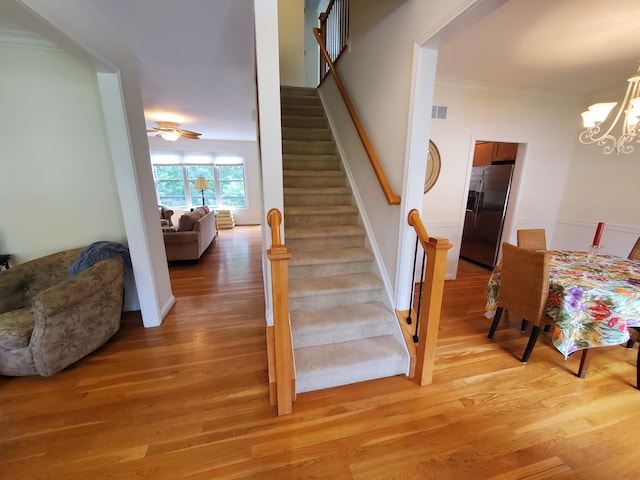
x: 4, y: 261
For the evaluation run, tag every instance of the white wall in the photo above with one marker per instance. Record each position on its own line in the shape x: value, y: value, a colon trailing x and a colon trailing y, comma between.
x: 67, y: 179
x: 377, y: 71
x: 311, y: 49
x: 268, y: 81
x: 600, y: 188
x: 75, y: 26
x: 382, y: 62
x: 559, y: 184
x: 546, y: 132
x: 252, y: 214
x: 58, y: 186
x: 291, y: 42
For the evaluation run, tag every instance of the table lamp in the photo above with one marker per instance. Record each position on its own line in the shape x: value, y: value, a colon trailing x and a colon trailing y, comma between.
x: 201, y: 184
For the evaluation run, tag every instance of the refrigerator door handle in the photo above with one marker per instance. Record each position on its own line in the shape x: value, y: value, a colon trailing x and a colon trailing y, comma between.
x: 476, y: 207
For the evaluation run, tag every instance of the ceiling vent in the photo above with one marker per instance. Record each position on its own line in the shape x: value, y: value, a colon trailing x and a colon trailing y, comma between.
x: 439, y: 112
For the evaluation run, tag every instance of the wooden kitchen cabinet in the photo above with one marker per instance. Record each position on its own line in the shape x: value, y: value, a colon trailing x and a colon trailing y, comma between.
x: 483, y: 154
x: 488, y: 153
x: 504, y: 151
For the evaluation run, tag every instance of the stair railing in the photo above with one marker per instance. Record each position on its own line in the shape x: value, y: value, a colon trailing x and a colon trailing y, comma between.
x: 321, y: 38
x: 429, y: 297
x: 334, y: 30
x: 282, y: 381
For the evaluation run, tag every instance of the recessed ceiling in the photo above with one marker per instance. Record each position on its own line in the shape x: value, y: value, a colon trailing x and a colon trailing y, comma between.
x: 197, y: 57
x: 568, y: 47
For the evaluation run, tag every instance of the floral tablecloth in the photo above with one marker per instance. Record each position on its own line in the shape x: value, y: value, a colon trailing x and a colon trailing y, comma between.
x: 593, y: 302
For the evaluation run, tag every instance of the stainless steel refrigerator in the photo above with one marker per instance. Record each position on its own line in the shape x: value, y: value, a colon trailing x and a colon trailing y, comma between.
x: 484, y: 217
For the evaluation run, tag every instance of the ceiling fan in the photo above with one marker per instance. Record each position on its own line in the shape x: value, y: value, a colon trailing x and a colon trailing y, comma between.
x: 170, y: 131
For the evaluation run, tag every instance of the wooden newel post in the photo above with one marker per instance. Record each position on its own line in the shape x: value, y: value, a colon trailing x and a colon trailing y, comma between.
x: 279, y: 256
x: 436, y: 250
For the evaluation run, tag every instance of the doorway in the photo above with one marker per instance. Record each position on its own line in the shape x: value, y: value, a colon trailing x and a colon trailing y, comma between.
x: 487, y: 200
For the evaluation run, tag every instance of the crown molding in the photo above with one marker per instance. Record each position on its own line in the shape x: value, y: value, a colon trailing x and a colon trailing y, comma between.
x: 20, y: 38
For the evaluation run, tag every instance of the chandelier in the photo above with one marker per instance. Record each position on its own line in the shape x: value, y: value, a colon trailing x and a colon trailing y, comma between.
x: 629, y: 112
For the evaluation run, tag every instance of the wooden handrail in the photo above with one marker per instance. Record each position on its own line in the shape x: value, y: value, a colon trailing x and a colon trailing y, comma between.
x: 282, y: 382
x: 392, y: 198
x: 429, y: 314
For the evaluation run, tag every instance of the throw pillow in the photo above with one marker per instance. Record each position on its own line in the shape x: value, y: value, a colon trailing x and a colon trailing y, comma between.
x: 187, y: 220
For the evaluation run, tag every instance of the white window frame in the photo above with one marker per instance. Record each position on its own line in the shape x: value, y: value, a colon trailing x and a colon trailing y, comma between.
x: 197, y: 159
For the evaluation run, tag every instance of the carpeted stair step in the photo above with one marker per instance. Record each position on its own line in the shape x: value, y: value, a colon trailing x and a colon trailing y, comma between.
x: 303, y: 110
x: 310, y: 99
x: 315, y: 216
x: 308, y: 147
x: 340, y: 324
x: 291, y: 91
x: 296, y: 133
x: 326, y: 366
x: 314, y: 178
x: 339, y: 261
x: 342, y: 330
x: 322, y: 292
x: 297, y: 161
x: 324, y: 237
x: 301, y: 121
x: 297, y: 197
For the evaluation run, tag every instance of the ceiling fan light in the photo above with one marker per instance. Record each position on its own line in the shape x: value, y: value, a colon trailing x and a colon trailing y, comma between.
x: 170, y: 135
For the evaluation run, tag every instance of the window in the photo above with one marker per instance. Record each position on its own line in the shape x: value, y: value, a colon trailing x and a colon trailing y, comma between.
x: 175, y: 177
x: 170, y: 186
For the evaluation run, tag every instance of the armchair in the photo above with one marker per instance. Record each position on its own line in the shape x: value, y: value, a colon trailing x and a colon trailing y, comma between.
x: 166, y: 215
x: 49, y: 321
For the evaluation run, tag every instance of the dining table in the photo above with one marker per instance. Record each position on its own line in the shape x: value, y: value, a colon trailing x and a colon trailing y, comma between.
x: 593, y: 299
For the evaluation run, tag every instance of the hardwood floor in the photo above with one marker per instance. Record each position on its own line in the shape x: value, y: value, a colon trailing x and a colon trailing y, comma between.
x: 189, y: 399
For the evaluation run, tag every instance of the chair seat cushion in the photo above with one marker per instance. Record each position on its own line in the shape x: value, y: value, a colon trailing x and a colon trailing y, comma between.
x: 16, y: 327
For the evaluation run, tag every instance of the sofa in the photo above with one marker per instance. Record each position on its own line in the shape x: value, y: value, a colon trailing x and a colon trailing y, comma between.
x: 196, y: 230
x: 51, y: 317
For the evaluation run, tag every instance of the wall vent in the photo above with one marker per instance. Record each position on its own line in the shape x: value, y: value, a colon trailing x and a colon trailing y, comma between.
x: 439, y: 112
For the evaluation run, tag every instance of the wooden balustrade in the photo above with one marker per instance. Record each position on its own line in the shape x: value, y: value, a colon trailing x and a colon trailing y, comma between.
x: 282, y: 382
x: 430, y: 306
x: 334, y: 30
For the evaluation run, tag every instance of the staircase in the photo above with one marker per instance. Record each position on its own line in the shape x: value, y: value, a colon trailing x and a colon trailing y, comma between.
x: 342, y: 330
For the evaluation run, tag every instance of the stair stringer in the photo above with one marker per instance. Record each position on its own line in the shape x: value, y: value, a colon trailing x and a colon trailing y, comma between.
x: 370, y: 241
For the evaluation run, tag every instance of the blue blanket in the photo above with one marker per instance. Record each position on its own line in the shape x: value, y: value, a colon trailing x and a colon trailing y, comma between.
x: 96, y: 252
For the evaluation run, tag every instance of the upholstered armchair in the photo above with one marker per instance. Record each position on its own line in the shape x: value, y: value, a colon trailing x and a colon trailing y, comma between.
x: 165, y: 216
x: 49, y: 321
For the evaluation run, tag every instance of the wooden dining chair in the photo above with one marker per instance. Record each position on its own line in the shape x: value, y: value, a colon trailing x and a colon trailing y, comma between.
x: 532, y: 238
x: 524, y: 288
x: 635, y: 251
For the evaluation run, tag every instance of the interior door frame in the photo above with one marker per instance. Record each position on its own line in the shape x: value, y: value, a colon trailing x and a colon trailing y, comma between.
x: 509, y: 226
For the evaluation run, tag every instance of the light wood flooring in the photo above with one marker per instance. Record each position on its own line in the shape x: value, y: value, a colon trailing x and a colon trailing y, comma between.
x: 189, y: 399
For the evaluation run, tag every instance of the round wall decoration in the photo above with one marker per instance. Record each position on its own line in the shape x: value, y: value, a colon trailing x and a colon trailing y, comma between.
x: 433, y: 167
